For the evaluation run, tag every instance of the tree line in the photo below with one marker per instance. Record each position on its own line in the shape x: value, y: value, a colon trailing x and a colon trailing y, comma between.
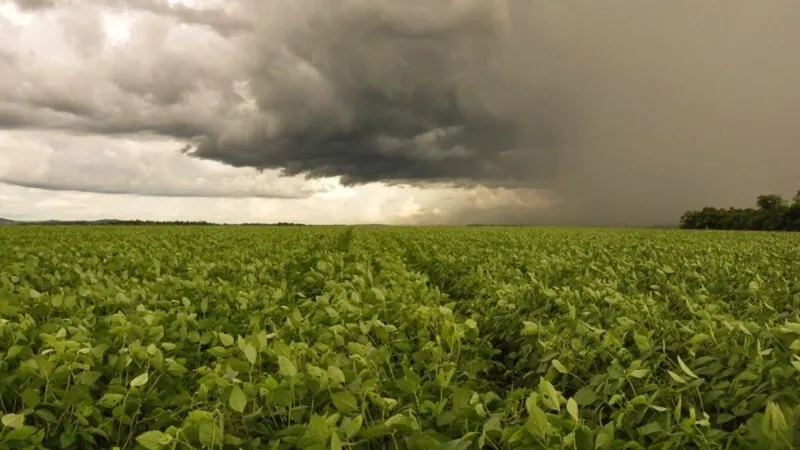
x: 772, y: 213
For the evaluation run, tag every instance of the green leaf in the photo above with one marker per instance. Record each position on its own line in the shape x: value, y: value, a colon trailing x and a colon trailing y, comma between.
x: 677, y: 378
x: 336, y: 374
x: 791, y: 327
x: 14, y: 350
x: 354, y: 426
x: 774, y: 424
x: 318, y: 429
x: 209, y: 434
x: 640, y: 373
x: 529, y: 328
x: 463, y: 443
x: 642, y: 342
x: 67, y: 439
x: 13, y: 420
x: 699, y: 338
x: 495, y: 423
x: 231, y: 439
x: 168, y: 346
x: 20, y: 434
x: 401, y: 421
x: 151, y: 440
x: 250, y: 353
x: 237, y: 399
x: 686, y: 369
x: 46, y: 415
x: 140, y: 381
x: 585, y: 396
x: 30, y: 398
x: 531, y: 403
x: 572, y: 409
x: 225, y: 339
x: 345, y: 402
x: 559, y: 367
x: 336, y: 442
x: 110, y: 400
x: 89, y: 378
x: 584, y: 438
x: 650, y: 428
x: 605, y: 437
x: 550, y: 396
x: 537, y: 424
x: 287, y: 367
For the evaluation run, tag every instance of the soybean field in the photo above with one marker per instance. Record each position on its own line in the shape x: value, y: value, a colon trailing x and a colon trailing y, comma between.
x: 245, y: 337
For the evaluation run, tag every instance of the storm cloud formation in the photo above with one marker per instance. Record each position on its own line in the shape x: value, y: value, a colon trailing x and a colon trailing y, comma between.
x: 378, y: 90
x: 617, y: 112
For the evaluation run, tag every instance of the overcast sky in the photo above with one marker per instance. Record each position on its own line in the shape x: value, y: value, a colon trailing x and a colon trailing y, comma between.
x: 421, y: 111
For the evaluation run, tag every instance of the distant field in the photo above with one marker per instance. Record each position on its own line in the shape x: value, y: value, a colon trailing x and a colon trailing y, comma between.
x: 423, y: 338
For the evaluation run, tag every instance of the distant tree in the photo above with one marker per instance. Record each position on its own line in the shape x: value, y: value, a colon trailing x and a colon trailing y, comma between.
x: 773, y: 213
x: 793, y: 214
x: 689, y: 220
x: 770, y: 202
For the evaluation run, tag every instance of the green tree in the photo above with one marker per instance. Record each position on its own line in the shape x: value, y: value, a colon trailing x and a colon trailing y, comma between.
x: 770, y: 202
x: 773, y: 213
x: 793, y: 215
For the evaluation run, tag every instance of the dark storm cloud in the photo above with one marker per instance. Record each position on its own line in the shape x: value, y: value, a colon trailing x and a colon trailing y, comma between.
x: 626, y: 112
x: 461, y: 153
x: 376, y: 91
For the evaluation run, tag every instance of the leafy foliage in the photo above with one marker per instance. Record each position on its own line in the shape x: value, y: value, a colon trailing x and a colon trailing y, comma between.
x: 455, y: 338
x: 773, y: 214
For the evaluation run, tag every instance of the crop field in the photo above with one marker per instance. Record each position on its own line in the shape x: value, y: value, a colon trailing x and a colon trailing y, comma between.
x: 421, y: 338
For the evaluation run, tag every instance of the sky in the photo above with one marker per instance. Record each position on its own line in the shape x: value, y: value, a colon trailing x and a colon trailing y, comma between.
x: 380, y: 111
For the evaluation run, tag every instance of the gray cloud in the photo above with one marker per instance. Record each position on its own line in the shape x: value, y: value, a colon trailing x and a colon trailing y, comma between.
x: 166, y: 80
x: 630, y: 112
x: 151, y: 188
x: 60, y: 162
x: 624, y: 112
x: 215, y: 18
x: 373, y: 91
x: 32, y: 5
